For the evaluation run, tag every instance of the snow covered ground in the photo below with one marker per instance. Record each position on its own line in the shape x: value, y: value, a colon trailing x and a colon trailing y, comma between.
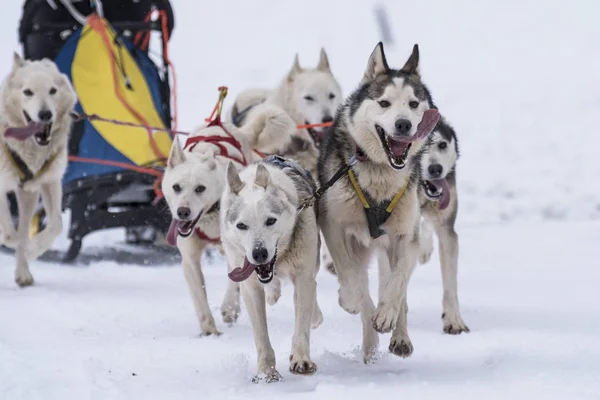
x: 519, y: 81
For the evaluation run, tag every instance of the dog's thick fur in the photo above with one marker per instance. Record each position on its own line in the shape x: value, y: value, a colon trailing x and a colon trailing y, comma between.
x: 308, y: 96
x: 385, y: 99
x: 438, y: 162
x: 262, y: 230
x: 32, y: 88
x: 195, y: 180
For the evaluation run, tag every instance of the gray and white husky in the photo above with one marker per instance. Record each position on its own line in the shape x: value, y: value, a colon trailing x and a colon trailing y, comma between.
x: 267, y: 238
x: 36, y: 101
x: 439, y: 204
x: 380, y: 130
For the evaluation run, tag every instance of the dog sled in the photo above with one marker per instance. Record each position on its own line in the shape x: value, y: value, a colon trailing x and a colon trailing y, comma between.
x: 112, y: 178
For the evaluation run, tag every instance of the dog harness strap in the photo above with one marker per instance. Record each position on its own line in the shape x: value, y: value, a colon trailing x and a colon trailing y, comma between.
x: 23, y: 170
x: 357, y: 189
x: 376, y: 216
x: 204, y: 236
x: 216, y: 141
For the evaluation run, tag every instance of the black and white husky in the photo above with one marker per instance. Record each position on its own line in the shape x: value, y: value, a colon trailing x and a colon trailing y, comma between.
x: 439, y: 204
x: 380, y: 130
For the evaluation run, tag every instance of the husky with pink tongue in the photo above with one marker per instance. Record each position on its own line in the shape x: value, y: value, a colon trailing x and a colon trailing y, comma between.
x: 193, y: 184
x: 266, y: 238
x: 439, y: 204
x: 379, y: 133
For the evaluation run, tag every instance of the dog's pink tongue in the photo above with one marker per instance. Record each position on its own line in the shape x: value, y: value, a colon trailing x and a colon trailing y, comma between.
x: 241, y: 274
x: 172, y: 232
x: 430, y: 119
x: 445, y: 197
x: 24, y: 132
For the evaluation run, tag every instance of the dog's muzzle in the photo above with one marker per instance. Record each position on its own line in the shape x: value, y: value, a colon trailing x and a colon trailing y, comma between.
x: 264, y: 272
x: 438, y: 190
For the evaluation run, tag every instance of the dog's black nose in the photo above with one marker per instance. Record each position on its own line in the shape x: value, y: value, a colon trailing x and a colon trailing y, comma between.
x: 183, y: 213
x: 435, y: 170
x: 45, y: 115
x: 403, y: 126
x: 260, y: 255
x: 327, y: 118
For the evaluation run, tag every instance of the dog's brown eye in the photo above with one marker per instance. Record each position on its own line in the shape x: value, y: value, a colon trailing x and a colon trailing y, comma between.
x: 270, y: 221
x: 200, y: 189
x: 176, y: 188
x: 28, y: 92
x: 52, y: 91
x: 331, y: 96
x: 242, y: 227
x: 384, y: 103
x: 413, y: 104
x: 309, y: 98
x: 442, y: 145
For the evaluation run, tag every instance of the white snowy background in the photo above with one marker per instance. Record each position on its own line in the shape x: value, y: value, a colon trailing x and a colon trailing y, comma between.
x: 520, y: 82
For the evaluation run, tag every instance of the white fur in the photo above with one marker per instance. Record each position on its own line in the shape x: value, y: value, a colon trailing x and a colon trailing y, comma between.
x: 205, y: 167
x: 267, y: 192
x: 31, y: 87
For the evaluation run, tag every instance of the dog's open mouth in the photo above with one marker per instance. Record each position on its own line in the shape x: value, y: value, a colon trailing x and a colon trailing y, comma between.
x: 438, y: 190
x: 396, y: 150
x: 181, y: 228
x: 317, y: 135
x: 264, y: 272
x: 43, y: 138
x: 397, y: 147
x: 40, y: 131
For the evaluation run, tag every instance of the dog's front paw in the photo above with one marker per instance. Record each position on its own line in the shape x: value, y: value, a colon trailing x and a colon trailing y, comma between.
x: 230, y: 311
x: 385, y: 317
x: 208, y: 327
x: 270, y: 377
x: 401, y: 346
x: 273, y: 294
x: 302, y: 365
x: 230, y: 315
x: 349, y: 300
x: 454, y: 324
x: 23, y: 277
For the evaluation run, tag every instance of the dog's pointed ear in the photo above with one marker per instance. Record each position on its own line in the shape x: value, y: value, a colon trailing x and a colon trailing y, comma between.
x: 262, y: 176
x: 296, y: 68
x: 233, y: 178
x: 377, y: 64
x: 177, y: 155
x: 18, y: 62
x: 323, y: 62
x: 412, y: 64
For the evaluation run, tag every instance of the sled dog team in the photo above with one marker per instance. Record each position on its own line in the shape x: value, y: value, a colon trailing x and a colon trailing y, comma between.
x: 385, y: 170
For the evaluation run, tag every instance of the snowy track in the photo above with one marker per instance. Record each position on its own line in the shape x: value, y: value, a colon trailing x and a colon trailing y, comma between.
x: 129, y: 332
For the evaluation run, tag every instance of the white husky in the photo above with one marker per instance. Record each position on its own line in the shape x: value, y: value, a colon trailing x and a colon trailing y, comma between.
x: 308, y: 95
x: 193, y: 183
x: 35, y: 105
x: 266, y: 238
